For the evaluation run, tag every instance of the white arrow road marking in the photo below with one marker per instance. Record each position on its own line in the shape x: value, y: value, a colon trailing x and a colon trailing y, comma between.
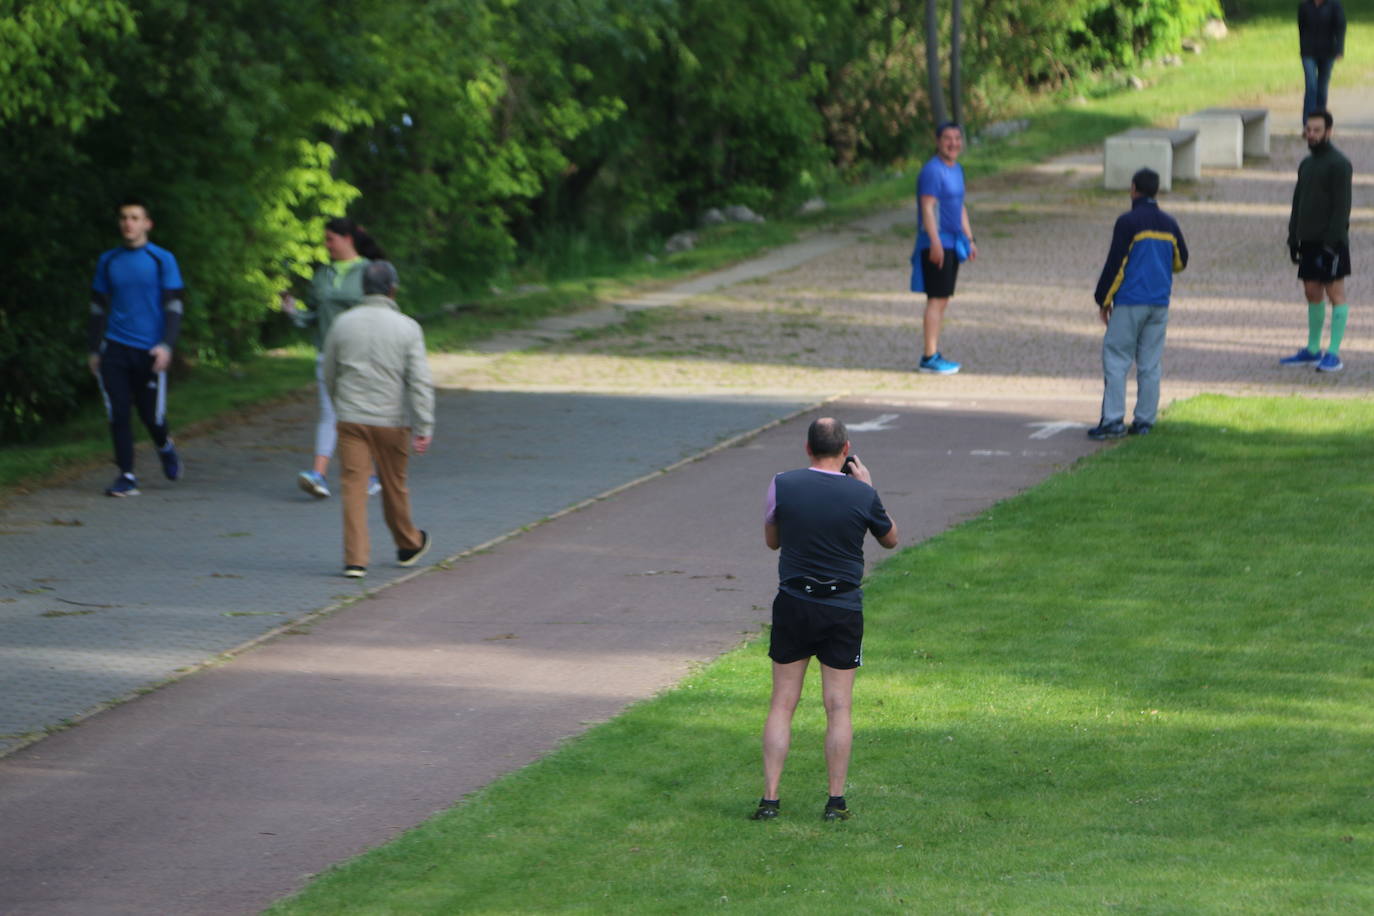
x: 880, y: 422
x: 1050, y: 428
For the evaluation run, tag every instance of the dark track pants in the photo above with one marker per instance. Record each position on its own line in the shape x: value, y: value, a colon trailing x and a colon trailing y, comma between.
x: 127, y: 381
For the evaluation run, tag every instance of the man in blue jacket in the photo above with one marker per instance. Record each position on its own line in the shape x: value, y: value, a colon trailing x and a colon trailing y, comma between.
x: 1133, y: 302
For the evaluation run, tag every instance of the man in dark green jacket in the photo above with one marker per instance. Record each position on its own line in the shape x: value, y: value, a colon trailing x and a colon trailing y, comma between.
x: 1319, y: 242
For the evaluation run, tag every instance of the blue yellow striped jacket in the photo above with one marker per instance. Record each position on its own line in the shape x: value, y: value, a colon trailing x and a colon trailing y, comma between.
x: 1147, y: 250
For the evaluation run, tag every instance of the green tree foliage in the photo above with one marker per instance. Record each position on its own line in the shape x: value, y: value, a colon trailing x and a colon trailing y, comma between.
x: 464, y: 133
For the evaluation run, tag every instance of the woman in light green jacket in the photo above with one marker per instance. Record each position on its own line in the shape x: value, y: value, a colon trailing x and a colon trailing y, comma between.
x: 335, y: 288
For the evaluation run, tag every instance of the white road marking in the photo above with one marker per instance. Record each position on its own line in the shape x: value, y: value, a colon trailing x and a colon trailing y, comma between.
x: 1050, y: 428
x: 880, y: 422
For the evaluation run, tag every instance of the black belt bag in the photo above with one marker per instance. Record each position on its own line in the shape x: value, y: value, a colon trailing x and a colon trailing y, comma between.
x: 823, y: 588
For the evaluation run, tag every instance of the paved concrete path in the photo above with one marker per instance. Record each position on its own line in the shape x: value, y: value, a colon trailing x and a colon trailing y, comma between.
x: 228, y: 788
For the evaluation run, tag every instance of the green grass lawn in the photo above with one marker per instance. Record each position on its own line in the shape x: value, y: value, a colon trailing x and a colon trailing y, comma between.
x: 1144, y: 686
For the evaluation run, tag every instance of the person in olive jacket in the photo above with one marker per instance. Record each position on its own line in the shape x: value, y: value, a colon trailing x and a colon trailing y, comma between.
x: 1321, y: 41
x: 1319, y: 242
x: 334, y: 288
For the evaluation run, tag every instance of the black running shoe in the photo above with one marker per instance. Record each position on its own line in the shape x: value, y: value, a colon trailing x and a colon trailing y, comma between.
x: 408, y: 557
x: 835, y: 814
x: 765, y: 813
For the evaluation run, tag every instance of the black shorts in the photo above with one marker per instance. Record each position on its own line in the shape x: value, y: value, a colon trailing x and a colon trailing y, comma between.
x: 940, y: 280
x: 1322, y: 264
x: 804, y: 628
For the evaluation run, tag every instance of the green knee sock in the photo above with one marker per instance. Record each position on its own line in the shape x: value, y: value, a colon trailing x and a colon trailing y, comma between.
x: 1316, y: 317
x: 1339, y: 313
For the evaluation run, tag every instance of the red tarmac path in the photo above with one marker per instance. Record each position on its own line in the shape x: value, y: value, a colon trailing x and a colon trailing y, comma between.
x: 228, y: 789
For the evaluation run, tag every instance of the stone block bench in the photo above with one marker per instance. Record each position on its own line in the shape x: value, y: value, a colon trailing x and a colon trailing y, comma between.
x: 1227, y: 135
x: 1171, y: 153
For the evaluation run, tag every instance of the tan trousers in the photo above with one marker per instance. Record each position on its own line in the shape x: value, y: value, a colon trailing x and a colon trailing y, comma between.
x: 388, y: 448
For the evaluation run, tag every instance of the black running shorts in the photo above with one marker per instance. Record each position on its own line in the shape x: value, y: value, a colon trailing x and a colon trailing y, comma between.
x: 940, y: 280
x: 1322, y: 264
x: 804, y: 628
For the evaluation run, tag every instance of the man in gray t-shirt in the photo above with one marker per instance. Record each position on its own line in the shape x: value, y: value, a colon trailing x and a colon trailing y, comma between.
x: 817, y: 518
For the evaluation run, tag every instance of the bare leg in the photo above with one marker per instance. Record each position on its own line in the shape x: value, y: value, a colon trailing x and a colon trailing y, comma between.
x: 1335, y: 291
x: 930, y: 323
x: 837, y: 688
x: 322, y: 465
x: 1312, y: 289
x: 777, y: 730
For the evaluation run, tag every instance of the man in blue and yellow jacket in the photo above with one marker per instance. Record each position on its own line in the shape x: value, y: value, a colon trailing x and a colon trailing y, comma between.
x: 1133, y: 302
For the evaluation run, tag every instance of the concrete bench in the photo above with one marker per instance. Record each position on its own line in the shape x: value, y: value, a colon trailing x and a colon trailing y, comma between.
x: 1171, y: 153
x: 1221, y: 123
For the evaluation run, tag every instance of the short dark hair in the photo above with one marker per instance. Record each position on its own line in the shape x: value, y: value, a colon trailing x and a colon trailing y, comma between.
x: 1323, y: 114
x: 1146, y: 181
x: 826, y: 436
x: 946, y: 125
x: 380, y: 279
x: 131, y: 201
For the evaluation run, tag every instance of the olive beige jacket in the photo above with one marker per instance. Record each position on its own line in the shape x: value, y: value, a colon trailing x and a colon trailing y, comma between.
x: 375, y: 368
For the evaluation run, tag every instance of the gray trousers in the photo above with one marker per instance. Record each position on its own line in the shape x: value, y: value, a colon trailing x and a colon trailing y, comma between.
x: 1135, y: 333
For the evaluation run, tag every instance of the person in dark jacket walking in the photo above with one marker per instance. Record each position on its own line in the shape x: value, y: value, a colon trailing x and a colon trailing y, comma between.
x: 1133, y: 302
x: 1321, y: 41
x: 1319, y: 242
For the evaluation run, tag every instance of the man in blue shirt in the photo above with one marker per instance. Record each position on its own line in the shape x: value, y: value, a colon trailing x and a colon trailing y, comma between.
x: 1133, y: 302
x: 943, y: 239
x: 818, y: 518
x: 136, y: 308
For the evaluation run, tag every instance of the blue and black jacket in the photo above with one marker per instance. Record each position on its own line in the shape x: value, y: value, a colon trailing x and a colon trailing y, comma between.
x: 1147, y: 250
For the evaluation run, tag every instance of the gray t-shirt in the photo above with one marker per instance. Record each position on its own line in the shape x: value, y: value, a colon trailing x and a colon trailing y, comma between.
x: 822, y: 519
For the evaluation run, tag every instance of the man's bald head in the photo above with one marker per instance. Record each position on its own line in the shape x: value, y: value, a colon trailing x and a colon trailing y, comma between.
x: 825, y: 438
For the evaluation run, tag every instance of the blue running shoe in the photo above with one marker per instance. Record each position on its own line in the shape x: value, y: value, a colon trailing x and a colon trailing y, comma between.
x: 1330, y: 363
x: 313, y: 483
x: 1303, y: 357
x: 374, y: 486
x: 124, y: 485
x: 939, y: 365
x: 171, y: 464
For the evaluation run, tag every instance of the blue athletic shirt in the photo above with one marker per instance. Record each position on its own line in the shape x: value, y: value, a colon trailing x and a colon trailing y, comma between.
x: 136, y: 282
x: 946, y: 184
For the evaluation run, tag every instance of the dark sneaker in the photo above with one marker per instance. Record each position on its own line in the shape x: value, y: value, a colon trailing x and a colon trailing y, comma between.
x: 765, y: 813
x: 1303, y: 357
x: 835, y: 814
x: 1139, y: 429
x: 408, y: 557
x: 171, y: 464
x: 1104, y: 430
x: 124, y: 485
x: 1330, y: 363
x: 354, y: 572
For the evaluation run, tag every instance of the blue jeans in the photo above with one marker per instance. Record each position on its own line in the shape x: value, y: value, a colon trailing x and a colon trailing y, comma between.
x: 1317, y: 76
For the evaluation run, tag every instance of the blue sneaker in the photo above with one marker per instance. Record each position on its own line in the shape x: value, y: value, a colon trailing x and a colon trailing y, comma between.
x: 124, y: 485
x: 313, y: 483
x: 374, y: 486
x: 939, y: 365
x: 171, y: 464
x: 1303, y: 357
x: 1330, y: 363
